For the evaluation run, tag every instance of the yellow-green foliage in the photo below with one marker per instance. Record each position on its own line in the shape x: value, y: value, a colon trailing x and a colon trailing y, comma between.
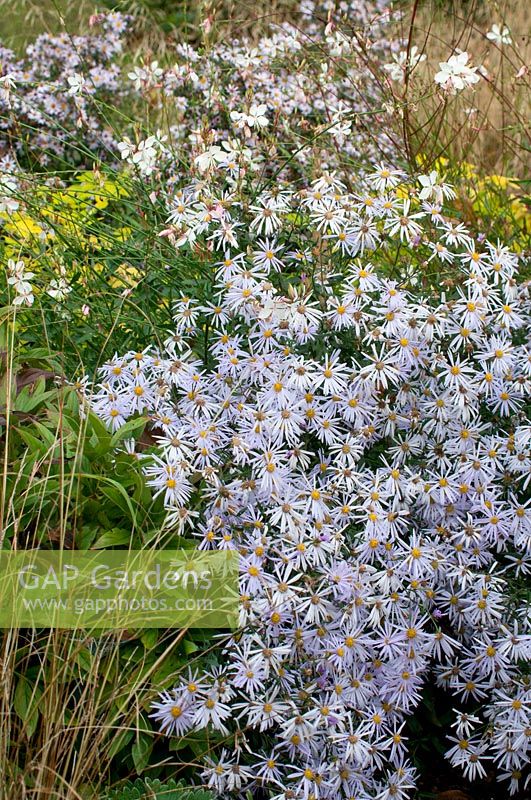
x: 491, y: 204
x: 55, y: 218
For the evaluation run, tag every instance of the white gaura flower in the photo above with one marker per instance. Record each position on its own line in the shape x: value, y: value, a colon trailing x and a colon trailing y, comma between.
x: 58, y: 289
x: 8, y: 186
x: 20, y: 280
x: 455, y: 74
x: 145, y: 151
x: 432, y: 187
x: 210, y: 158
x: 138, y: 76
x: 7, y: 83
x: 238, y: 119
x: 76, y: 83
x: 499, y: 35
x: 340, y: 125
x: 254, y: 118
x: 144, y: 155
x: 397, y: 69
x: 144, y: 77
x: 126, y: 148
x: 257, y: 116
x: 428, y: 183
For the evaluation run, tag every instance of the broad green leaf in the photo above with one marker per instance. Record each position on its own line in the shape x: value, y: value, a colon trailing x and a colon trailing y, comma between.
x: 112, y: 538
x: 25, y: 701
x: 37, y: 447
x: 141, y: 751
x: 149, y: 637
x: 119, y: 741
x: 118, y: 500
x: 189, y: 647
x: 131, y: 428
x: 96, y: 427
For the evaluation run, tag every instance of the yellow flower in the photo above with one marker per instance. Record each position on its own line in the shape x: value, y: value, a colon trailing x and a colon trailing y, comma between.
x: 125, y: 275
x: 501, y: 180
x: 123, y: 234
x: 24, y: 225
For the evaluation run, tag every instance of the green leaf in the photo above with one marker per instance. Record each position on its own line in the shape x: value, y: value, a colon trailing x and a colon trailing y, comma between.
x: 85, y: 537
x: 141, y: 751
x: 119, y: 742
x: 199, y: 743
x: 131, y: 428
x: 154, y: 789
x: 176, y: 744
x: 167, y: 675
x: 189, y: 647
x: 149, y: 637
x: 112, y: 538
x: 109, y: 481
x: 32, y: 396
x: 84, y: 659
x: 37, y: 447
x: 103, y: 435
x: 25, y: 701
x: 49, y: 438
x: 117, y: 499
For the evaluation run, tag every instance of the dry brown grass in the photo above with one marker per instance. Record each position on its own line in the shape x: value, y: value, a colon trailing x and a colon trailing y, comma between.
x: 495, y: 134
x: 156, y: 25
x: 23, y: 20
x: 77, y: 706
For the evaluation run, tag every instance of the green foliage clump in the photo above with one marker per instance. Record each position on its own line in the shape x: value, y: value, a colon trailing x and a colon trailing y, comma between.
x: 156, y: 790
